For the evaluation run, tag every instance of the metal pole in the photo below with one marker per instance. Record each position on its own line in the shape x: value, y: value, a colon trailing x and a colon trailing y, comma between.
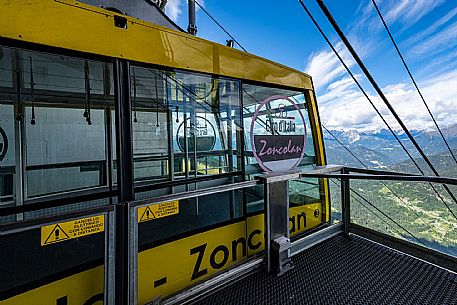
x: 109, y: 292
x: 124, y: 151
x: 345, y: 202
x: 192, y: 28
x: 19, y: 129
x: 267, y: 226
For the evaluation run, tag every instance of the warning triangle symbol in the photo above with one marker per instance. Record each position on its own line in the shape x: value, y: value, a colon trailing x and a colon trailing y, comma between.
x: 147, y: 215
x: 57, y: 234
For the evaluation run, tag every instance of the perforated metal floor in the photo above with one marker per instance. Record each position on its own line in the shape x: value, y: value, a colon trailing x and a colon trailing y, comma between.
x: 344, y: 270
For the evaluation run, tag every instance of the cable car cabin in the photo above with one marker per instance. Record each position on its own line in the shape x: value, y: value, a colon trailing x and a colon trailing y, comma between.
x: 99, y: 109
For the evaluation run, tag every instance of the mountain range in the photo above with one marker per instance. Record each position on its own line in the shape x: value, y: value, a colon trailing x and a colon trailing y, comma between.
x: 380, y: 149
x: 418, y: 208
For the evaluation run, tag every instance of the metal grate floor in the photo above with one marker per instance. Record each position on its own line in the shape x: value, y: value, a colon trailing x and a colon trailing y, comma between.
x: 344, y: 270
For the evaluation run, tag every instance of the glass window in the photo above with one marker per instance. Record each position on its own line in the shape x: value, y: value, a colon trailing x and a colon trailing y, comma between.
x: 56, y: 116
x: 276, y: 104
x: 253, y: 97
x: 7, y: 128
x: 206, y: 122
x: 150, y: 124
x: 185, y: 125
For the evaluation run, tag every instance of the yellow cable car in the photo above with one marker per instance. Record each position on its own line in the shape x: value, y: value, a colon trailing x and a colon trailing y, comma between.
x: 98, y: 109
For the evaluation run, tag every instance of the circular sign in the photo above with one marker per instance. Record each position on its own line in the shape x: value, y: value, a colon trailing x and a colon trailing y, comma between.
x: 3, y: 144
x: 205, y: 135
x: 278, y: 134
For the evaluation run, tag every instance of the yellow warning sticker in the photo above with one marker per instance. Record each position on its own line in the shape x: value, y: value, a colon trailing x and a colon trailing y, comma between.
x: 158, y: 210
x: 72, y: 229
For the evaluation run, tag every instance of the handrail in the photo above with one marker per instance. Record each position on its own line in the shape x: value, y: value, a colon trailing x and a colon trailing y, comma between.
x: 381, y: 176
x: 195, y: 193
x: 100, y: 163
x: 296, y: 246
x: 58, y: 201
x: 38, y: 222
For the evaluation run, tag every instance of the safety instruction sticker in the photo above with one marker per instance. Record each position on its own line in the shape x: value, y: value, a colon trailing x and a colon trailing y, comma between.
x: 158, y: 210
x: 72, y: 229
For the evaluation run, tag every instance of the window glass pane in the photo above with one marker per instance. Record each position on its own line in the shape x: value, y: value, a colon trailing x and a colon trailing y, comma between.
x: 194, y: 214
x: 303, y: 191
x: 66, y: 126
x: 6, y: 69
x: 7, y: 153
x: 62, y: 73
x: 63, y: 151
x: 56, y: 114
x: 184, y: 125
x: 253, y: 96
x: 7, y: 128
x: 149, y: 124
x: 207, y: 123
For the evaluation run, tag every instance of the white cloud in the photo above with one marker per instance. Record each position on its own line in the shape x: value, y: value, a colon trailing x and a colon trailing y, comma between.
x: 438, y: 42
x: 173, y: 9
x: 343, y: 107
x: 344, y: 87
x: 410, y: 11
x: 404, y: 12
x: 325, y: 67
x: 431, y: 29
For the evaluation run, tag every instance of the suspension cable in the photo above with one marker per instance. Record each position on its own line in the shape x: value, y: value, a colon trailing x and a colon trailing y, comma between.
x: 360, y: 86
x: 377, y: 209
x: 379, y: 91
x: 382, y: 182
x: 377, y: 111
x: 413, y: 80
x: 385, y: 215
x: 209, y: 15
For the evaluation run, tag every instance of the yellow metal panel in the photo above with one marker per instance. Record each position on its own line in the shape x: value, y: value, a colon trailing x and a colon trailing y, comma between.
x: 76, y: 26
x: 168, y: 268
x: 271, y: 72
x: 317, y: 132
x: 189, y: 260
x: 77, y: 289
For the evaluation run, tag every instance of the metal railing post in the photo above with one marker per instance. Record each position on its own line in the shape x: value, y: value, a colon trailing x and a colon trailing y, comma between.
x: 267, y: 217
x: 133, y: 255
x: 276, y: 221
x: 124, y: 149
x: 345, y: 202
x: 109, y: 259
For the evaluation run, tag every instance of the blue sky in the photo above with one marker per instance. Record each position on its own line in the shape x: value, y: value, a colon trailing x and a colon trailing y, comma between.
x: 426, y: 31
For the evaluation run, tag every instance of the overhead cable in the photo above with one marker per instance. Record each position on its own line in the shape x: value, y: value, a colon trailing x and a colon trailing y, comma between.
x: 413, y: 80
x: 377, y: 111
x: 378, y: 89
x: 382, y: 182
x: 209, y: 15
x: 379, y: 211
x: 387, y: 216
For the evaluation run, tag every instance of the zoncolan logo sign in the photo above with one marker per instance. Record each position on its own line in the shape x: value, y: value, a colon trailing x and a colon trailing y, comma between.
x: 278, y: 134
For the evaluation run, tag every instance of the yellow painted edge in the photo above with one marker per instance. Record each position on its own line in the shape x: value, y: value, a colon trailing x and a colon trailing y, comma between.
x: 320, y: 154
x: 77, y: 26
